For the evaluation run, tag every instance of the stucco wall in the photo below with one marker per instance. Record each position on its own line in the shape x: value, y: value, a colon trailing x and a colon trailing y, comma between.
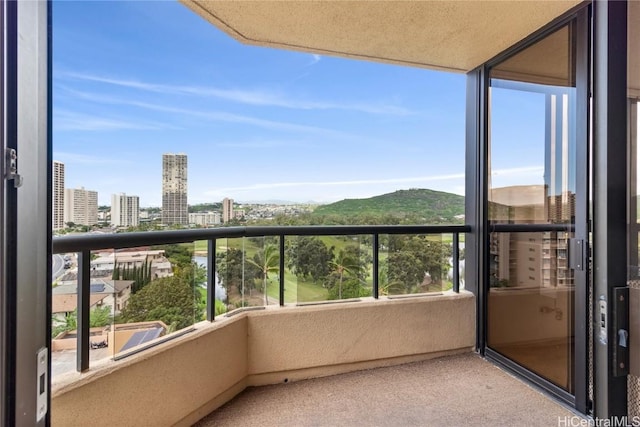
x: 182, y: 380
x: 158, y: 387
x: 347, y: 333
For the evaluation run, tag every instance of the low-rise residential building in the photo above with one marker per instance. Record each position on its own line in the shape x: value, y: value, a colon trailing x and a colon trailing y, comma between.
x: 104, y: 292
x: 205, y: 218
x: 63, y: 304
x: 104, y: 264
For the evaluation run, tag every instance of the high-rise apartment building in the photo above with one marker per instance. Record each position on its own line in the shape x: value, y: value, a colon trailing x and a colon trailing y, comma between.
x: 80, y: 206
x: 125, y: 210
x: 227, y: 210
x: 58, y: 196
x: 174, y: 189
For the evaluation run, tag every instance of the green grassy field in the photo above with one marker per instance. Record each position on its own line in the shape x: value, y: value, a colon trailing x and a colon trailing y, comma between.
x: 250, y: 247
x: 296, y: 290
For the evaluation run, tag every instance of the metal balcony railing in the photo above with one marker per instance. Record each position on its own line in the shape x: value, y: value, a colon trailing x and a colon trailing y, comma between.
x: 84, y: 244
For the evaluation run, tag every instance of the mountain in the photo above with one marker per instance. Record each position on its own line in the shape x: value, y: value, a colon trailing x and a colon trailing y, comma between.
x: 431, y: 205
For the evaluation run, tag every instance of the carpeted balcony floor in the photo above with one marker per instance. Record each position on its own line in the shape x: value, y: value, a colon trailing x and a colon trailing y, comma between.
x: 449, y: 391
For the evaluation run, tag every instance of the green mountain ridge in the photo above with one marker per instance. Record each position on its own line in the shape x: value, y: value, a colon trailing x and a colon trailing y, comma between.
x: 436, y: 206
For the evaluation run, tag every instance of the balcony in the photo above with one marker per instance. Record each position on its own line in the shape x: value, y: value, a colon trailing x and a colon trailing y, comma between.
x: 455, y: 390
x: 182, y: 380
x: 181, y: 377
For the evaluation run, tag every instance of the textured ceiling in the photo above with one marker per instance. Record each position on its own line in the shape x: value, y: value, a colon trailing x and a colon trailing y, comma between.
x: 546, y: 62
x: 448, y: 35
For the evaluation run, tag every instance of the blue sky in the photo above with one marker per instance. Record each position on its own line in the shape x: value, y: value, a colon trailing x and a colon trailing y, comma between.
x: 133, y: 80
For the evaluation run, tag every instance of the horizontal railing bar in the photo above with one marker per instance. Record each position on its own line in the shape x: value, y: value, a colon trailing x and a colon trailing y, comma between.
x: 77, y: 243
x: 530, y: 228
x: 82, y: 245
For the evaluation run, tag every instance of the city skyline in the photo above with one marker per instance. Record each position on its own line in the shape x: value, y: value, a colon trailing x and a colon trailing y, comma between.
x: 257, y: 123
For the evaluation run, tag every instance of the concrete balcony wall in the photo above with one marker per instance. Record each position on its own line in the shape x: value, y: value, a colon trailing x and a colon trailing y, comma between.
x: 181, y: 381
x: 160, y: 386
x: 328, y: 339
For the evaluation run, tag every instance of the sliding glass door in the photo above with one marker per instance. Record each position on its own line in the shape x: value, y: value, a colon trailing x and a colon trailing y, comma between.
x: 536, y: 185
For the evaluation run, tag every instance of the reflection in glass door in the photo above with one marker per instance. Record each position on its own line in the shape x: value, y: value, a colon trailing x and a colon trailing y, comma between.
x: 532, y: 208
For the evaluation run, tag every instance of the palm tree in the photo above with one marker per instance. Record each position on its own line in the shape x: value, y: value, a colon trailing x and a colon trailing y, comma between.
x: 383, y: 279
x: 266, y: 261
x: 345, y: 263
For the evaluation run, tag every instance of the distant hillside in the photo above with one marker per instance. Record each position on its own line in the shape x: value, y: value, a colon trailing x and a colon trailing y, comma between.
x: 205, y: 207
x: 427, y: 204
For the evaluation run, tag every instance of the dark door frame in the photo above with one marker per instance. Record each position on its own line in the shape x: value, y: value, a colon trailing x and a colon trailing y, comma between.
x: 25, y: 214
x: 476, y: 204
x: 8, y: 212
x: 609, y: 192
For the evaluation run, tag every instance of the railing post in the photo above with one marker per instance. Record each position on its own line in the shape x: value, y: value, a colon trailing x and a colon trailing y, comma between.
x: 456, y: 262
x: 281, y: 272
x: 82, y: 319
x: 211, y: 280
x: 376, y: 272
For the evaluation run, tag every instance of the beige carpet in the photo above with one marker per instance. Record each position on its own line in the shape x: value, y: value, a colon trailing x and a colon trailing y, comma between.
x: 452, y: 391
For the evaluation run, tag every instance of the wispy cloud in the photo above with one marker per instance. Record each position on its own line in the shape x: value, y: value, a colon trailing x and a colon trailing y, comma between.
x: 220, y: 116
x: 256, y: 97
x: 76, y: 158
x: 267, y: 144
x: 72, y: 121
x: 315, y: 58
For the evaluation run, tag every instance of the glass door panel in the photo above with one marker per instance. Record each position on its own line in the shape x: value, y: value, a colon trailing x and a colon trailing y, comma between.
x: 531, y: 207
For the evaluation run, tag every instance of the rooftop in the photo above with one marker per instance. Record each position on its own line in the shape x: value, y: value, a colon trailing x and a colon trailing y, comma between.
x: 65, y: 303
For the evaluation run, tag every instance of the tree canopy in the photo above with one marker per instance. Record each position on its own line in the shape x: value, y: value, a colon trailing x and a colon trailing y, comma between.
x: 180, y: 254
x: 169, y: 299
x: 310, y: 257
x: 141, y: 276
x: 229, y: 265
x: 413, y: 259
